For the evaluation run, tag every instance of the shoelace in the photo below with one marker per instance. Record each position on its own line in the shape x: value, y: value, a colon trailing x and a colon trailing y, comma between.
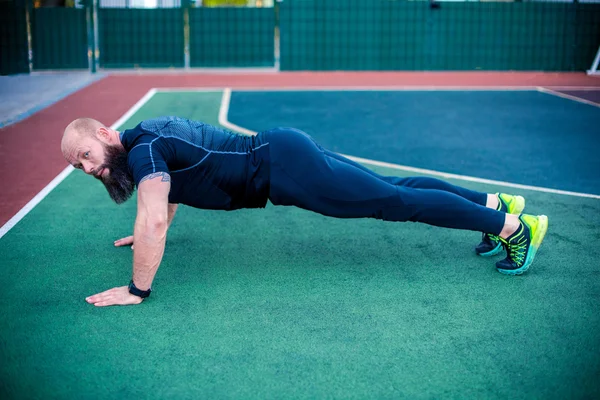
x: 516, y: 251
x: 493, y: 238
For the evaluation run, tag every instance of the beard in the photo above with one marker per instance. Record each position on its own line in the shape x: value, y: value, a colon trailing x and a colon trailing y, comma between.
x: 118, y: 182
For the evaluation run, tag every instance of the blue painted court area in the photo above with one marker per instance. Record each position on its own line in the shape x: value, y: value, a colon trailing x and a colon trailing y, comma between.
x: 525, y: 137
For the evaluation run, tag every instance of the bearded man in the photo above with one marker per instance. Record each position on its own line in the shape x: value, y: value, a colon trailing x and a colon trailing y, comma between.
x: 175, y: 161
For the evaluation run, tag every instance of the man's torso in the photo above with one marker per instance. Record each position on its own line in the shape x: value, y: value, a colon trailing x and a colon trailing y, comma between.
x: 209, y: 167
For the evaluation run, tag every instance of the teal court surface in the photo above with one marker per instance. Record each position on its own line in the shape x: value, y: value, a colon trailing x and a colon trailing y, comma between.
x: 283, y: 303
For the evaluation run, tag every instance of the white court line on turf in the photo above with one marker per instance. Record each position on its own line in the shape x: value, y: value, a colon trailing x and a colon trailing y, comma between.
x: 472, y: 178
x: 355, y: 88
x: 60, y: 177
x: 378, y: 88
x: 224, y: 121
x: 186, y: 90
x: 223, y: 115
x: 580, y: 88
x: 566, y: 96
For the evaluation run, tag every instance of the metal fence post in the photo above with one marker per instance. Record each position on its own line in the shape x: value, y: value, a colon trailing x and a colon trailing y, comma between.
x: 96, y: 48
x: 91, y: 16
x: 277, y: 35
x: 89, y: 29
x: 29, y: 21
x: 186, y: 33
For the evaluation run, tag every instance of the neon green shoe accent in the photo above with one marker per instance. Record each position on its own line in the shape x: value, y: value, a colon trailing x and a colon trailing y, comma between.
x: 538, y: 226
x: 513, y: 204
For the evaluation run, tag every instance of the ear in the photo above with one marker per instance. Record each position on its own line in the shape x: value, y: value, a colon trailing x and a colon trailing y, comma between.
x: 103, y: 134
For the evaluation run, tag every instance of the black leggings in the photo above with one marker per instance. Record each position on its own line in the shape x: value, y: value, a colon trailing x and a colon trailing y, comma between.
x: 305, y: 175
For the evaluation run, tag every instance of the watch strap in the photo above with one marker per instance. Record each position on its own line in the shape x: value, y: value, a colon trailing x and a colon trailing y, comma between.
x: 137, y: 292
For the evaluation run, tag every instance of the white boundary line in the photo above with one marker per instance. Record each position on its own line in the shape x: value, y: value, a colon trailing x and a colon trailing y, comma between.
x: 357, y: 89
x: 224, y: 121
x: 189, y: 90
x: 379, y: 88
x: 192, y: 70
x: 60, y: 177
x: 472, y: 178
x: 567, y: 96
x: 223, y: 115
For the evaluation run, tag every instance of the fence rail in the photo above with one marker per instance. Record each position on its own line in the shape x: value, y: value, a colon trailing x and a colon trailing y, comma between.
x: 411, y: 35
x: 313, y: 35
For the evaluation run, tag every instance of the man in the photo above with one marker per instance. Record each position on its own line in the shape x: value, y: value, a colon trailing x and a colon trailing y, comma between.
x: 174, y: 160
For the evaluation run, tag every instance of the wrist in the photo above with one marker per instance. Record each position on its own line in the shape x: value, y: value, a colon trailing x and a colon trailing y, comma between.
x: 138, y: 292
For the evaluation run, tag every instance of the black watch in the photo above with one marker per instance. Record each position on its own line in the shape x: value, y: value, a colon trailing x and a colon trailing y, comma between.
x: 137, y: 292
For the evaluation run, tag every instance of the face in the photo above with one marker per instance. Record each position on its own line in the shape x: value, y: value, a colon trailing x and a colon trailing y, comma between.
x: 108, y: 164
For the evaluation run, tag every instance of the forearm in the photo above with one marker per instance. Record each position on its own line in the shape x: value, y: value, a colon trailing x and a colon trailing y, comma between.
x: 149, y: 237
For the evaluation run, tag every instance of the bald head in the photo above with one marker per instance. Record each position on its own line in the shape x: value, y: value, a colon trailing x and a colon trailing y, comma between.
x: 78, y: 129
x: 84, y: 137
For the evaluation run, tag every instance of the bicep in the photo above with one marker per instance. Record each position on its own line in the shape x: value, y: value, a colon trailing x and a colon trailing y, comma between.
x: 153, y: 195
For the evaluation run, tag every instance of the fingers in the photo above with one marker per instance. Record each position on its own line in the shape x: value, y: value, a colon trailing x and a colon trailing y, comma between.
x: 124, y: 241
x: 100, y: 297
x: 119, y: 302
x: 115, y: 296
x: 104, y: 301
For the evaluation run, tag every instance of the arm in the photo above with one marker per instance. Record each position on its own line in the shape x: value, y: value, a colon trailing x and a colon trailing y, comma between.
x: 151, y: 226
x: 126, y: 241
x: 149, y: 234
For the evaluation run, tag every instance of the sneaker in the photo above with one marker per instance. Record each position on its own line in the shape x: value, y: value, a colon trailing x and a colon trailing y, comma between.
x: 522, y: 245
x: 490, y: 244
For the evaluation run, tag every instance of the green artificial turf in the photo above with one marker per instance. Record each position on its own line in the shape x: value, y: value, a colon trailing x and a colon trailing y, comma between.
x: 283, y: 303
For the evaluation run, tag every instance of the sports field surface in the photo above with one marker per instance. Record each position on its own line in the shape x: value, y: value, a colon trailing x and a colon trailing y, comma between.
x: 283, y: 303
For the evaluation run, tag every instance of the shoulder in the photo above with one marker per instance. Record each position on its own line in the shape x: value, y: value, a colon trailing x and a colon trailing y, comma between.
x: 150, y: 129
x: 131, y: 138
x: 168, y: 127
x: 168, y: 124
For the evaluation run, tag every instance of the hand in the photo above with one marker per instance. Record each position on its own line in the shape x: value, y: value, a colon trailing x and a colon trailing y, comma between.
x: 126, y: 241
x: 118, y: 296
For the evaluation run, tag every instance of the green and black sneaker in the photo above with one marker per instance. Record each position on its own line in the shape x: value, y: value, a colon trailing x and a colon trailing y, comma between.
x: 522, y: 245
x: 490, y: 244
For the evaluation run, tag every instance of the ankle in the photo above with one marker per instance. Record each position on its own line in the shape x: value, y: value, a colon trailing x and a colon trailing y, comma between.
x: 492, y: 201
x: 511, y: 224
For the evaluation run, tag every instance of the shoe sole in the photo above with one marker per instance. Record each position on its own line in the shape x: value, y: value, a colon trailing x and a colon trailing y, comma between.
x: 519, y: 207
x: 538, y: 238
x: 492, y: 252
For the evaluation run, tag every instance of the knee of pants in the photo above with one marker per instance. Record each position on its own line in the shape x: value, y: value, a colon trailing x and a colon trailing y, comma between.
x: 386, y: 209
x: 395, y: 213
